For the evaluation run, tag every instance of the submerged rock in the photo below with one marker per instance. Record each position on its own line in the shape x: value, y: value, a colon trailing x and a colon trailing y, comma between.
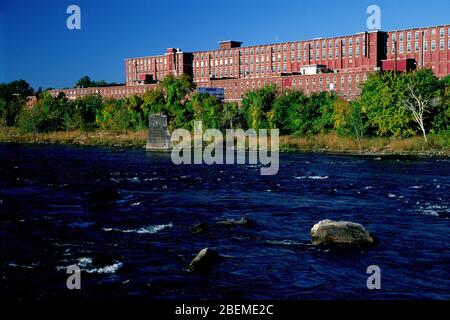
x: 199, y: 228
x: 102, y: 197
x: 243, y: 221
x: 340, y: 232
x: 204, y: 260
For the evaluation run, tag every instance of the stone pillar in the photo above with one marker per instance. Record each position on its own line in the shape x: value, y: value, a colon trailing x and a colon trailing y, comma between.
x: 158, y: 135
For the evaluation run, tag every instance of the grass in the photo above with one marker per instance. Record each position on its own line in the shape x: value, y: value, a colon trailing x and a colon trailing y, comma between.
x: 375, y: 145
x: 437, y: 144
x: 92, y: 138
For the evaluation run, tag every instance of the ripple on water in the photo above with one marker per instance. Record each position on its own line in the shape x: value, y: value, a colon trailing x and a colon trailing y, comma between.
x: 436, y: 210
x: 81, y: 224
x: 311, y: 177
x: 86, y: 264
x: 144, y: 230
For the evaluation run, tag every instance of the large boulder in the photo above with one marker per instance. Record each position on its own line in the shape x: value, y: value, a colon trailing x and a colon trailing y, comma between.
x: 340, y: 232
x: 204, y: 260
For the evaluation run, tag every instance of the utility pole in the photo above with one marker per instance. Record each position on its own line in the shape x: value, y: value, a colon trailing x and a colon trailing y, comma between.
x: 422, y: 62
x: 395, y: 56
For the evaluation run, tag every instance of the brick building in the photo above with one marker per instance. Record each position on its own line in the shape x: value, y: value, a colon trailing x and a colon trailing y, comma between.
x: 337, y: 64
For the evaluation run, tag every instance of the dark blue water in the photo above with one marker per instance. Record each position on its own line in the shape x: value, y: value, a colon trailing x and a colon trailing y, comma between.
x: 141, y: 245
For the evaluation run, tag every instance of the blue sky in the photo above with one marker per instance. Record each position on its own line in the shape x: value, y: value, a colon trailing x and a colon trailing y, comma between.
x: 36, y: 45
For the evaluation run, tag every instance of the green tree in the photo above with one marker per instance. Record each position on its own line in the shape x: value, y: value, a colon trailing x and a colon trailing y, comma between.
x: 206, y: 108
x: 33, y: 120
x: 231, y: 117
x: 287, y: 107
x: 381, y: 100
x: 154, y: 102
x: 257, y: 106
x: 324, y: 102
x: 341, y: 117
x: 85, y: 82
x: 13, y: 97
x: 86, y: 109
x: 176, y: 92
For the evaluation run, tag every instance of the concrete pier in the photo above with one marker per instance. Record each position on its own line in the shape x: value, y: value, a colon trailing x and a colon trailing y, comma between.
x: 158, y: 134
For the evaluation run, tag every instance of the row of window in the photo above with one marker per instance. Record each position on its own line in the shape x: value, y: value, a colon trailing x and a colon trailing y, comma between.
x: 285, y: 47
x: 313, y: 54
x: 295, y: 55
x: 321, y: 80
x: 401, y: 47
x: 129, y: 90
x: 417, y: 34
x: 343, y: 88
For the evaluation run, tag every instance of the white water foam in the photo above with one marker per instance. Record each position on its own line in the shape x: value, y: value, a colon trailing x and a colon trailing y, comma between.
x: 82, y: 262
x: 435, y: 210
x: 107, y: 269
x: 144, y: 230
x: 136, y: 204
x: 283, y: 242
x: 312, y: 177
x: 86, y: 262
x: 13, y: 264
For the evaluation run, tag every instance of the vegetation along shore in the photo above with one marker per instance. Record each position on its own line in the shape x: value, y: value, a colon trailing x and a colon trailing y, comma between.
x: 395, y: 114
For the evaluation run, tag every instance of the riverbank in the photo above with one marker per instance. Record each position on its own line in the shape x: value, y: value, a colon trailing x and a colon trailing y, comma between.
x: 437, y: 145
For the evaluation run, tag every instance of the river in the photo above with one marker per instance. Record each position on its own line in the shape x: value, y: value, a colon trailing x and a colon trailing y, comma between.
x: 141, y: 244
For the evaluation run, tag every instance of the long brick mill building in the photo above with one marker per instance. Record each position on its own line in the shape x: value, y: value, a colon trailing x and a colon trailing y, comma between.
x: 339, y: 64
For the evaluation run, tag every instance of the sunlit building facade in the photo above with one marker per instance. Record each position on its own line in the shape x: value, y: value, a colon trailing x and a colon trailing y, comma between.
x: 339, y: 64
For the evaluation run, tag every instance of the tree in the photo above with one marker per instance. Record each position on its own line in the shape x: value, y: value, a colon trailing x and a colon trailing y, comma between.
x: 32, y: 120
x: 257, y: 105
x: 176, y: 93
x: 341, y: 116
x: 154, y: 102
x: 86, y: 109
x: 115, y: 115
x: 13, y: 97
x: 324, y: 102
x: 417, y: 105
x: 85, y: 82
x: 381, y: 102
x: 357, y: 122
x: 384, y: 96
x: 136, y: 112
x: 231, y: 116
x: 287, y: 107
x: 2, y: 112
x: 206, y: 108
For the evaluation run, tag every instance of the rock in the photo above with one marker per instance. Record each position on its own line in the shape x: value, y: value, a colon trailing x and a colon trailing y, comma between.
x: 199, y: 228
x: 243, y: 221
x: 204, y: 260
x: 340, y: 232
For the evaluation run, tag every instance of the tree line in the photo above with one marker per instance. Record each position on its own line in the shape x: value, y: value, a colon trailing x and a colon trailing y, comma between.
x: 399, y: 105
